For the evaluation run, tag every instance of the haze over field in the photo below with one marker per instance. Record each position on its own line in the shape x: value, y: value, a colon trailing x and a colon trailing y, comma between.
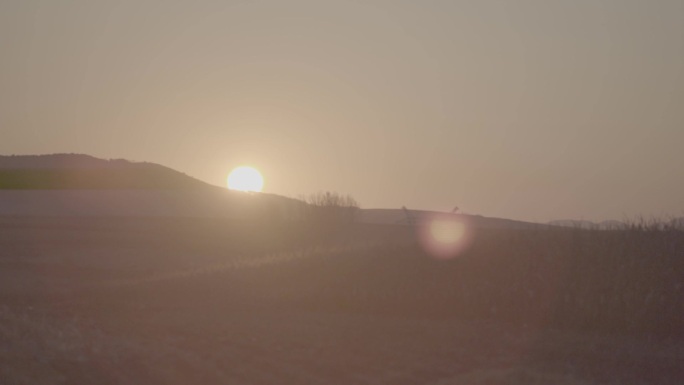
x: 531, y: 110
x: 341, y: 192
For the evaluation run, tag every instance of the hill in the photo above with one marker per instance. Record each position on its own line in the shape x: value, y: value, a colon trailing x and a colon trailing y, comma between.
x: 82, y: 185
x: 84, y: 172
x: 398, y: 217
x: 675, y: 223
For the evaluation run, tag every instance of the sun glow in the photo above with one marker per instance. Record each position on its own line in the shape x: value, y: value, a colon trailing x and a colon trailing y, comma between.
x: 246, y: 179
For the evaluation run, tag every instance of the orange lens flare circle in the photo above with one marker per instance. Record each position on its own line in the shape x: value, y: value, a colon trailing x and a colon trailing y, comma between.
x: 444, y: 236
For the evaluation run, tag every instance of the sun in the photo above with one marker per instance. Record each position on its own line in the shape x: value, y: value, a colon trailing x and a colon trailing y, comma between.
x: 246, y: 179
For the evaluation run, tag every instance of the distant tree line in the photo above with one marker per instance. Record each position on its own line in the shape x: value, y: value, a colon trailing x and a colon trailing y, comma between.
x: 330, y: 208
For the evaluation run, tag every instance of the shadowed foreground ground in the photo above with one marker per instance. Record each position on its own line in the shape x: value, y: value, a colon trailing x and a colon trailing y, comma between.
x: 124, y: 301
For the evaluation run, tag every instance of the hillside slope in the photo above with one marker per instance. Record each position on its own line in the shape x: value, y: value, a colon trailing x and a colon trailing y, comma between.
x: 84, y: 172
x: 398, y: 217
x: 82, y: 185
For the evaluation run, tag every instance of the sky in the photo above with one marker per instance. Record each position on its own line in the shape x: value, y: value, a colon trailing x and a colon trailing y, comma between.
x: 527, y: 109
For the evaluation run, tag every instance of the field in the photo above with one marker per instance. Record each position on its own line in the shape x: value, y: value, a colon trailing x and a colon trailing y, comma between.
x: 177, y: 301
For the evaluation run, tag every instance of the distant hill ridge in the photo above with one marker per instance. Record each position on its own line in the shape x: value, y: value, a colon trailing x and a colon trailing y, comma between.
x: 55, y: 161
x: 584, y: 224
x: 79, y: 171
x: 677, y: 223
x: 399, y: 217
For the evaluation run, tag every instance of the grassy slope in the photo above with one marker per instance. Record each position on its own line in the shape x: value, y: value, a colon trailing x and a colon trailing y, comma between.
x: 212, y: 301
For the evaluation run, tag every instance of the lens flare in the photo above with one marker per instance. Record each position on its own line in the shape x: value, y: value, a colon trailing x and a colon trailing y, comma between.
x: 444, y: 236
x: 446, y: 232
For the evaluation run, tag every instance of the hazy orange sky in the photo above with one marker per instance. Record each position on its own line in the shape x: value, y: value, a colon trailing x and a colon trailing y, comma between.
x: 524, y: 109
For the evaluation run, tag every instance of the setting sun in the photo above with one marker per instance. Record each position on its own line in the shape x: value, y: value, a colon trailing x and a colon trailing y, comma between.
x: 246, y: 179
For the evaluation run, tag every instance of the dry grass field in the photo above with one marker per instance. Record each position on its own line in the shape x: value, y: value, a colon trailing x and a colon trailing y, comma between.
x: 178, y: 301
